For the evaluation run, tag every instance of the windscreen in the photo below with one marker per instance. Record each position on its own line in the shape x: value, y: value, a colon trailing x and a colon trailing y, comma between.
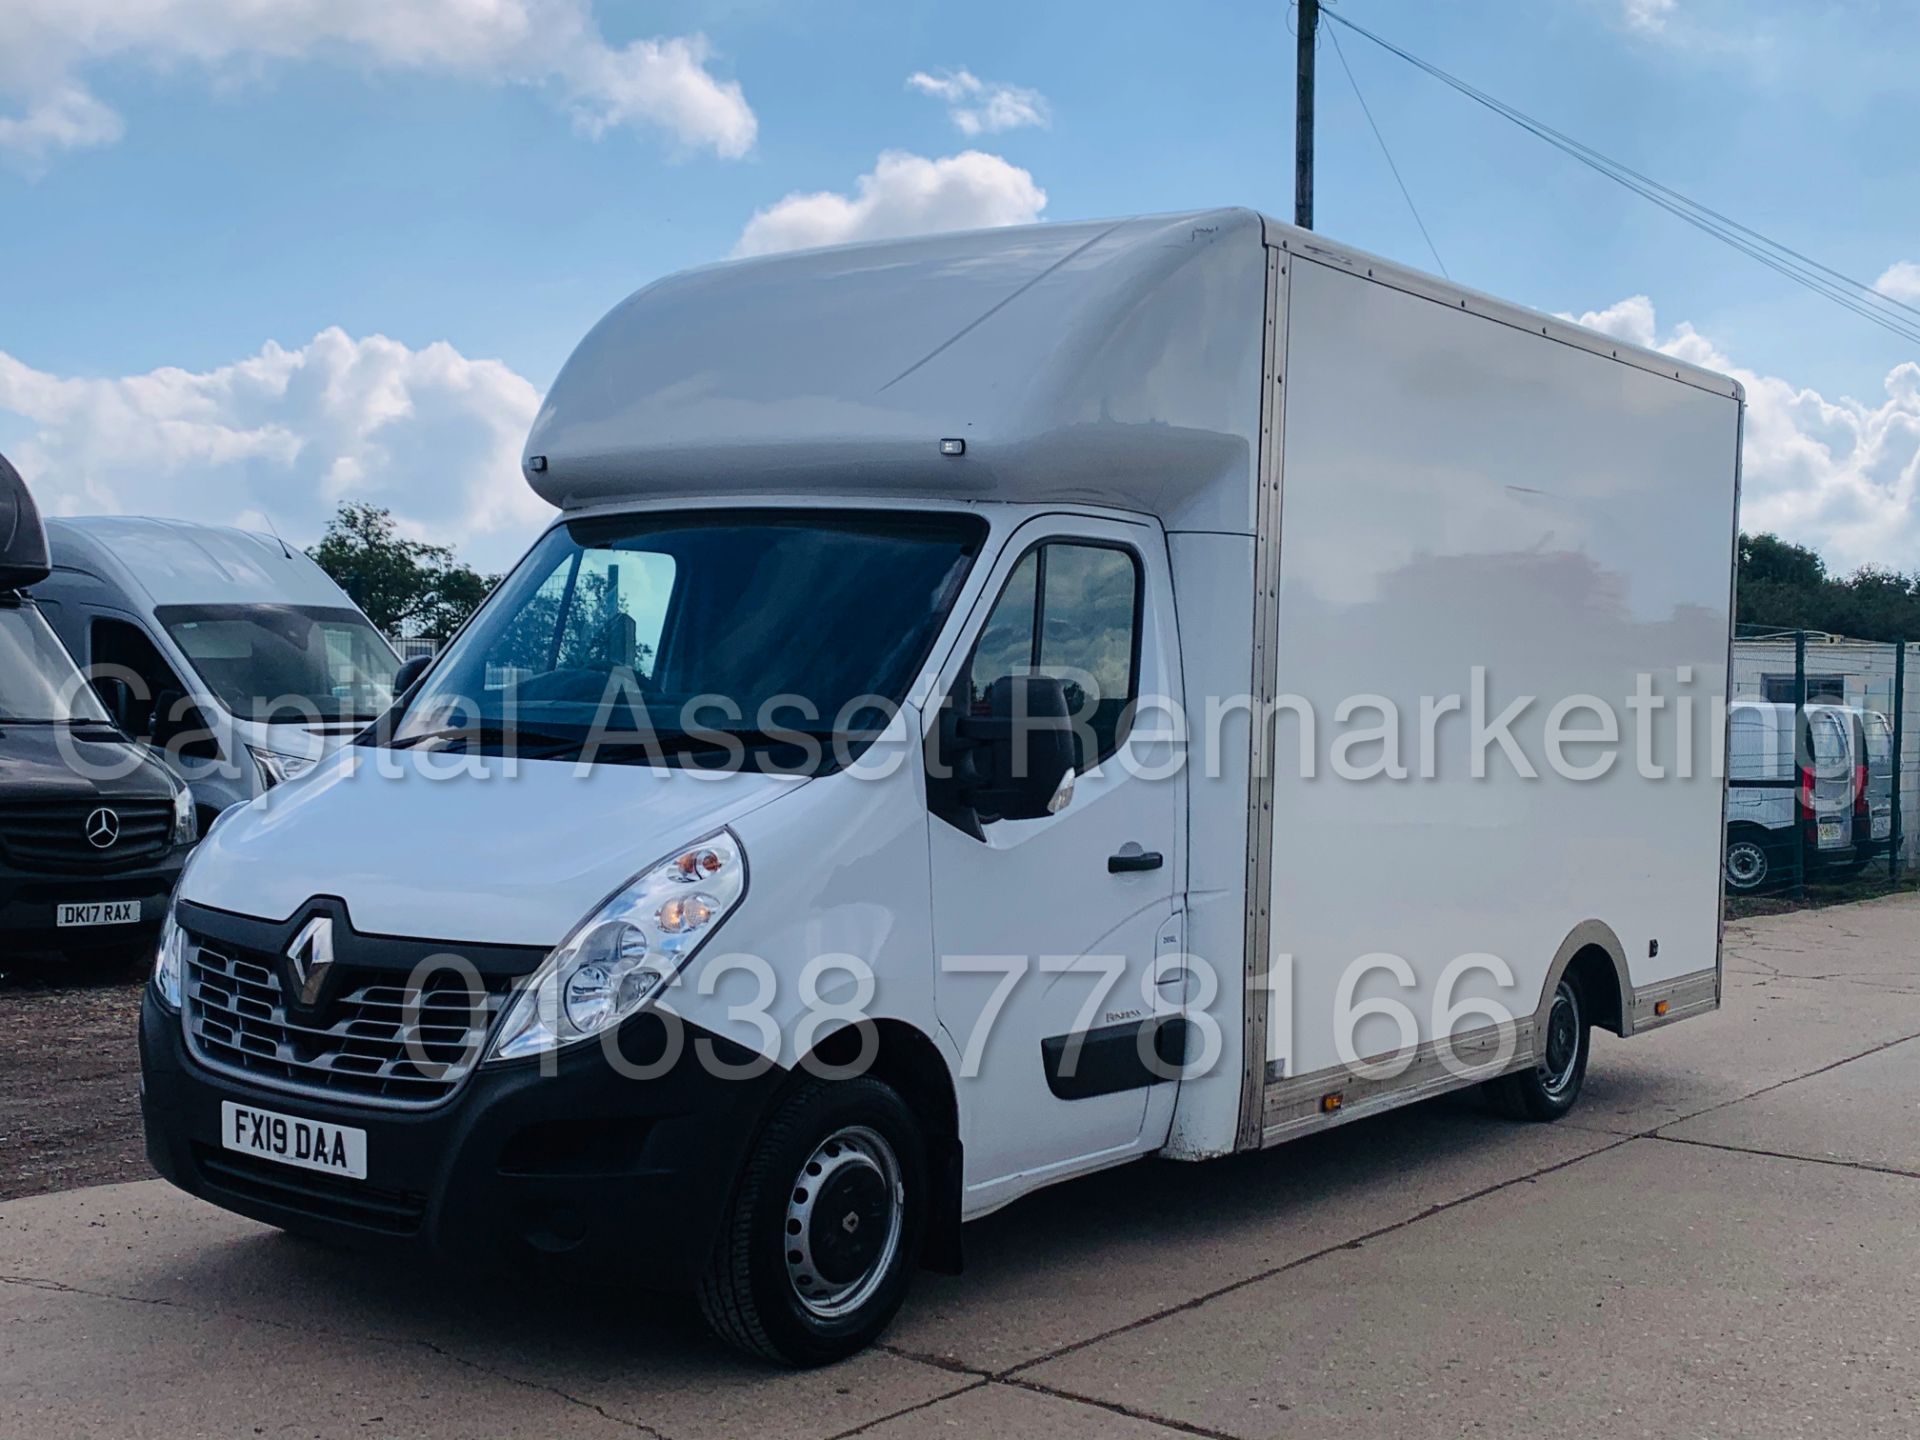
x: 1829, y: 738
x: 39, y: 683
x: 286, y: 664
x: 755, y: 624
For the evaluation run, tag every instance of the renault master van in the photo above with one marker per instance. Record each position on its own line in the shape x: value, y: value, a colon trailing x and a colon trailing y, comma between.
x: 989, y: 708
x: 231, y: 652
x: 93, y: 829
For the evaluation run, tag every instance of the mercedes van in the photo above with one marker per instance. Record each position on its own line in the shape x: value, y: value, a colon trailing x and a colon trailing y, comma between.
x: 989, y: 708
x: 93, y: 829
x: 232, y: 653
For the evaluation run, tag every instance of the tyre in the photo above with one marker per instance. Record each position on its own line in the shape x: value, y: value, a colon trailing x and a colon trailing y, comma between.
x: 1749, y: 865
x: 824, y: 1230
x: 1551, y: 1088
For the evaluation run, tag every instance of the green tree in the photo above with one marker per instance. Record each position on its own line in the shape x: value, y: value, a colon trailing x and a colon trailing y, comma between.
x: 407, y: 587
x: 1788, y: 587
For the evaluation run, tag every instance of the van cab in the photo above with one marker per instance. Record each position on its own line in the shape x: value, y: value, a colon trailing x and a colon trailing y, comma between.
x: 93, y: 828
x: 231, y: 652
x: 944, y: 745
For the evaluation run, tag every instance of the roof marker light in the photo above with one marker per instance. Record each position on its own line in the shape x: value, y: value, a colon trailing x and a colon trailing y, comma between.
x: 953, y: 447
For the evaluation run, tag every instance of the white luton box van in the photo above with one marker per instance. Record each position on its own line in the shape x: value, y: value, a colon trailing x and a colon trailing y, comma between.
x: 991, y: 707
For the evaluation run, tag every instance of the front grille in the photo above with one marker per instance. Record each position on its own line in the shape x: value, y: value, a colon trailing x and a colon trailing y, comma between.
x: 372, y: 1040
x: 53, y: 835
x: 325, y: 1197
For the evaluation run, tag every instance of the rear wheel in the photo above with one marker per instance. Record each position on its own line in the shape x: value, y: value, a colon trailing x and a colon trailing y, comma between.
x: 824, y: 1230
x: 1552, y: 1086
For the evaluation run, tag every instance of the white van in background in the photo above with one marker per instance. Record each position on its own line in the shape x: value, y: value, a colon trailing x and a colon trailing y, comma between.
x: 1783, y: 793
x: 1873, y: 774
x: 231, y: 651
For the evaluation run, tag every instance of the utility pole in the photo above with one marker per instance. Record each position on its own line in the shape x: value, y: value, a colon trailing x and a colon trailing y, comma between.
x: 1303, y: 117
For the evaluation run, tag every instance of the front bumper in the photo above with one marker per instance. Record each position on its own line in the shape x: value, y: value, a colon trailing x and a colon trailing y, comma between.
x: 584, y: 1172
x: 30, y: 904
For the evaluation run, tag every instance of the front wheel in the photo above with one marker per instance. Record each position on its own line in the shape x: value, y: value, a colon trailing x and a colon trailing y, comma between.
x: 824, y: 1231
x: 1551, y: 1088
x: 1749, y: 866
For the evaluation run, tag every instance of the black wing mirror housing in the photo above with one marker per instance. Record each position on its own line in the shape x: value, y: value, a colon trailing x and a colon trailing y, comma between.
x: 117, y: 696
x: 408, y: 675
x: 1022, y: 749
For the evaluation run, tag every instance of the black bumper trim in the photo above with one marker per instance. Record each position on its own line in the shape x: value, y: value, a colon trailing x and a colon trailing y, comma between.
x: 582, y: 1171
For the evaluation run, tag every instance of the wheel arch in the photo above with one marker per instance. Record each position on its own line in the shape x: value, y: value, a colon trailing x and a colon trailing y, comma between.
x: 1593, y: 954
x: 908, y: 1060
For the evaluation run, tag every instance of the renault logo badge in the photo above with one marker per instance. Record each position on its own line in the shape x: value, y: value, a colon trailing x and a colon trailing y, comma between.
x: 103, y: 829
x: 311, y: 956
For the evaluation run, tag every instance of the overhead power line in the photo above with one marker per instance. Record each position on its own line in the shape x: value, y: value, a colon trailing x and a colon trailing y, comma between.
x: 1823, y: 280
x: 1334, y: 36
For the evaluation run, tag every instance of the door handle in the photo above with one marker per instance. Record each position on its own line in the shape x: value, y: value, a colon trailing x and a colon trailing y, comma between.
x: 1125, y: 864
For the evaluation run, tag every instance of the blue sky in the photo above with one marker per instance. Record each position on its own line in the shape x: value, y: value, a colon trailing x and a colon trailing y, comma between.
x: 449, y: 192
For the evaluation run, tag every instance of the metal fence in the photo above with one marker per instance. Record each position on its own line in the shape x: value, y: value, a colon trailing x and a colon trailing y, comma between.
x: 1834, y: 705
x: 411, y: 647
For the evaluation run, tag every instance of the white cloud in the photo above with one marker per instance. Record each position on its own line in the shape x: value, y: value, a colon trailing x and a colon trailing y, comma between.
x: 45, y: 45
x: 63, y: 118
x: 289, y: 434
x: 1648, y: 16
x: 1900, y: 281
x: 978, y: 107
x: 903, y: 195
x: 1840, y: 475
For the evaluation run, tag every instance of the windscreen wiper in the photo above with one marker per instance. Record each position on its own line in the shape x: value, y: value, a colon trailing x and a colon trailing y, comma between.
x: 491, y: 733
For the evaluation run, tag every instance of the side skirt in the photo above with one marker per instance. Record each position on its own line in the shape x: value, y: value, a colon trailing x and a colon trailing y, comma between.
x: 1326, y: 1098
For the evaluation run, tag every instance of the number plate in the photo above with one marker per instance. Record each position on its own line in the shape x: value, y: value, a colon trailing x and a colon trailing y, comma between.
x: 289, y: 1140
x: 98, y: 912
x: 1882, y: 826
x: 1829, y: 833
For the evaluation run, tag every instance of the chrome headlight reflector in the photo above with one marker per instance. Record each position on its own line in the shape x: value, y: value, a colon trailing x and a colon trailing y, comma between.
x: 276, y: 769
x: 619, y: 959
x: 186, y: 820
x: 170, y: 961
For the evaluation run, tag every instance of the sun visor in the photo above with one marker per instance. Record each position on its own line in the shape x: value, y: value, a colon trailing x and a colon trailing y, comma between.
x: 23, y: 539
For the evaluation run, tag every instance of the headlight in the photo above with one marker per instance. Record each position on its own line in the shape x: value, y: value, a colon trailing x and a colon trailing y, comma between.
x: 186, y: 820
x: 277, y: 769
x: 170, y: 963
x: 625, y: 953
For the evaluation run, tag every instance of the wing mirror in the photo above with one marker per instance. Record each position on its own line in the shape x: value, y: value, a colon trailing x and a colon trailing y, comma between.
x: 181, y: 728
x: 117, y: 696
x: 408, y: 675
x: 1023, y: 749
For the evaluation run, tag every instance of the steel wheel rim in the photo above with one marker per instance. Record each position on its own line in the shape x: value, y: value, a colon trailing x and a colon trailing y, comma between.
x: 849, y: 1191
x: 1560, y: 1055
x: 1746, y: 864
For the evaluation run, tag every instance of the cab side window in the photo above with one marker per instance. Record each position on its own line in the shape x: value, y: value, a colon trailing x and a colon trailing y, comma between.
x: 121, y: 650
x: 1070, y: 610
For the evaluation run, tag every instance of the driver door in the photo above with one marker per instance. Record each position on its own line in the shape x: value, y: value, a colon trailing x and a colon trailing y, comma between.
x: 1046, y: 931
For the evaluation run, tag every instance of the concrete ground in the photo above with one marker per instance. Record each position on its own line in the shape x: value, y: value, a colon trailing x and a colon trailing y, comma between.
x: 1724, y: 1240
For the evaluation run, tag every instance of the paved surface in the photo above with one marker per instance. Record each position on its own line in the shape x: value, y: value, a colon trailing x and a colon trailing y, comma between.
x: 1722, y: 1241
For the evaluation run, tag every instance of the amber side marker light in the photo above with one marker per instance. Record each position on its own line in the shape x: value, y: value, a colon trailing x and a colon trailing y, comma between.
x: 1331, y: 1103
x: 1659, y: 1007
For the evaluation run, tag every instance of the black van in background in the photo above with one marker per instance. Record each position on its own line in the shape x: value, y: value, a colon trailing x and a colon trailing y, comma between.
x: 93, y: 827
